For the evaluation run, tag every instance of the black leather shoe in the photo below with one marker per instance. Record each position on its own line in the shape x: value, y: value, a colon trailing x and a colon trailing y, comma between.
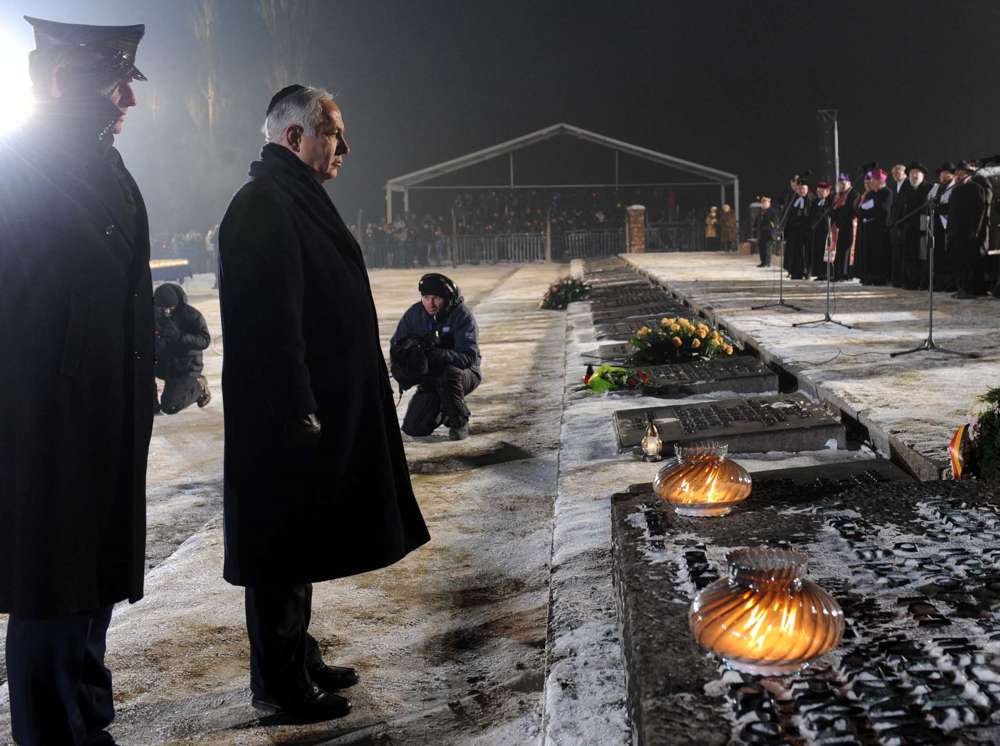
x: 312, y: 706
x: 332, y: 678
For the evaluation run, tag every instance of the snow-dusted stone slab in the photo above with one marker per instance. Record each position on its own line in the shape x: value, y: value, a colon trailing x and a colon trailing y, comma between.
x: 787, y: 422
x: 607, y: 299
x: 742, y: 374
x: 914, y: 567
x: 667, y: 307
x: 624, y: 329
x: 614, y: 351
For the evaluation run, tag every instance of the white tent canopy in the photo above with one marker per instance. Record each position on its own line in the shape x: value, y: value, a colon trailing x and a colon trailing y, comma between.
x: 417, y: 179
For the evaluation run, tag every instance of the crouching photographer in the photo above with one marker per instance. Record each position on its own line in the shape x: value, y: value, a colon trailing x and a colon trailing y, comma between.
x: 436, y: 348
x: 181, y: 335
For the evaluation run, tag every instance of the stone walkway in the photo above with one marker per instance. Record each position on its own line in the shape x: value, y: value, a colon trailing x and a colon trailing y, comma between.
x: 910, y: 404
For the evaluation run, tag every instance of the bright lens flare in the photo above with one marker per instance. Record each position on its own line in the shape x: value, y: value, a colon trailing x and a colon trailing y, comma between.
x: 16, y: 101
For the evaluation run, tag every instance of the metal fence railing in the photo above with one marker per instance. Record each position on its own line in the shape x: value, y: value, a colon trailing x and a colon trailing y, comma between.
x: 502, y: 247
x: 678, y: 236
x: 592, y: 243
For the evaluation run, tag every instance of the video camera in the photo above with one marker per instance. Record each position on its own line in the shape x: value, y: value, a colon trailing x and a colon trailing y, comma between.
x: 410, y: 353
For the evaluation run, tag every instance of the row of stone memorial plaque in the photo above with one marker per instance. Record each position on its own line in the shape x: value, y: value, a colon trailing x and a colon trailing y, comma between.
x: 915, y: 568
x: 745, y: 424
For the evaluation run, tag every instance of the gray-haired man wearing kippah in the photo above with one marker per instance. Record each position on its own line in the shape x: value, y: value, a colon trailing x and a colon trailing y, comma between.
x: 316, y: 481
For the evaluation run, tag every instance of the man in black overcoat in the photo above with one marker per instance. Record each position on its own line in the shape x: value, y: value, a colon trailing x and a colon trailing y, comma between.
x: 765, y: 228
x: 798, y: 232
x: 940, y: 194
x: 967, y: 226
x: 819, y: 223
x: 76, y: 383
x: 873, y: 261
x: 912, y: 217
x: 899, y: 185
x: 316, y: 481
x: 844, y: 226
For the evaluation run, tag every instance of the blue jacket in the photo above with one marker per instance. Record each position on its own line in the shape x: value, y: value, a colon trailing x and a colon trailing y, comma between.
x: 456, y: 327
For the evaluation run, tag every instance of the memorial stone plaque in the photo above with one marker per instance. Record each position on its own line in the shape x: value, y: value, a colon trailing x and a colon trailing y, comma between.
x: 629, y: 297
x: 742, y: 374
x: 913, y: 565
x: 625, y: 328
x: 667, y: 307
x: 787, y: 422
x: 617, y: 352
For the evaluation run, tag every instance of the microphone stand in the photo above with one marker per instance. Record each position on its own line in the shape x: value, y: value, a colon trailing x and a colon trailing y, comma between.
x: 827, y: 319
x: 929, y: 345
x: 781, y: 303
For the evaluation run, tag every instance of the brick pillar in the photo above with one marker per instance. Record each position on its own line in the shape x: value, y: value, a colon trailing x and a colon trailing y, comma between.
x: 636, y: 230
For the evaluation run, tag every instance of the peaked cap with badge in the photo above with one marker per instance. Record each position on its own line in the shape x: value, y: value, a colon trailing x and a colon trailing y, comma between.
x: 101, y: 56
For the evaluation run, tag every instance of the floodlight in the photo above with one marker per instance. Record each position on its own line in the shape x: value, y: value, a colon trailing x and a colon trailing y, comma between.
x: 16, y: 100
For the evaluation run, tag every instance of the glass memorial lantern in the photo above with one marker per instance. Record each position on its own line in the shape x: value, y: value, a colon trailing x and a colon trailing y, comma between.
x: 765, y: 617
x: 651, y: 444
x: 701, y: 481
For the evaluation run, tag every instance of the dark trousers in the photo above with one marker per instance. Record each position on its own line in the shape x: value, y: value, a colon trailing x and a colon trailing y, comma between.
x: 897, y: 271
x: 970, y: 269
x: 282, y: 652
x: 450, y: 386
x: 180, y: 393
x: 764, y: 251
x: 797, y: 248
x: 60, y: 690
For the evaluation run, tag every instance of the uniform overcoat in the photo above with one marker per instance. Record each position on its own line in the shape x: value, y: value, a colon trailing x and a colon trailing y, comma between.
x: 76, y: 380
x: 300, y: 336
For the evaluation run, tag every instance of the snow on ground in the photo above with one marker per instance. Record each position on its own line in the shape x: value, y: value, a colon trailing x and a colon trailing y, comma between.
x: 450, y: 641
x: 910, y: 404
x: 471, y: 640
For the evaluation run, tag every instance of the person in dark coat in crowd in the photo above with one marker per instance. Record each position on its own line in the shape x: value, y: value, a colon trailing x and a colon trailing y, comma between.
x: 872, y: 263
x: 912, y: 217
x: 798, y: 232
x: 940, y: 193
x: 844, y: 226
x: 899, y: 186
x: 967, y: 226
x: 436, y: 347
x: 181, y: 336
x: 819, y: 222
x: 727, y: 228
x: 316, y: 482
x: 76, y: 383
x: 765, y: 229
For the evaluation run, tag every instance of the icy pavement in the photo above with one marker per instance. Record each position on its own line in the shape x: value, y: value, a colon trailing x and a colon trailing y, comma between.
x: 449, y: 642
x: 910, y: 404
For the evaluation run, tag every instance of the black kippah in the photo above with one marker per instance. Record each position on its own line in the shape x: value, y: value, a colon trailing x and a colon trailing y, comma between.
x: 283, y: 93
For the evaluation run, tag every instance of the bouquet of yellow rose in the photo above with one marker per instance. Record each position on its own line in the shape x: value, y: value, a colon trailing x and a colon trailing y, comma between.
x: 676, y: 339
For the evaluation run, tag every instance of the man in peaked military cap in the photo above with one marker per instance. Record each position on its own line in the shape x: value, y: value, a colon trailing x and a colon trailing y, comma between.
x: 76, y: 385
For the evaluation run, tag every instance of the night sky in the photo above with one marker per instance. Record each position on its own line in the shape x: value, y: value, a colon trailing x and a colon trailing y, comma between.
x: 733, y: 85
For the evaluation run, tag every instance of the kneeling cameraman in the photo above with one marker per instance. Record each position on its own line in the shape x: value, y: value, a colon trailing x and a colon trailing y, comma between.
x: 181, y: 335
x: 436, y: 347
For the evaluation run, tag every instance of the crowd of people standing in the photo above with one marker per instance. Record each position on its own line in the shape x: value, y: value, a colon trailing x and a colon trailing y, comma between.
x: 881, y: 233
